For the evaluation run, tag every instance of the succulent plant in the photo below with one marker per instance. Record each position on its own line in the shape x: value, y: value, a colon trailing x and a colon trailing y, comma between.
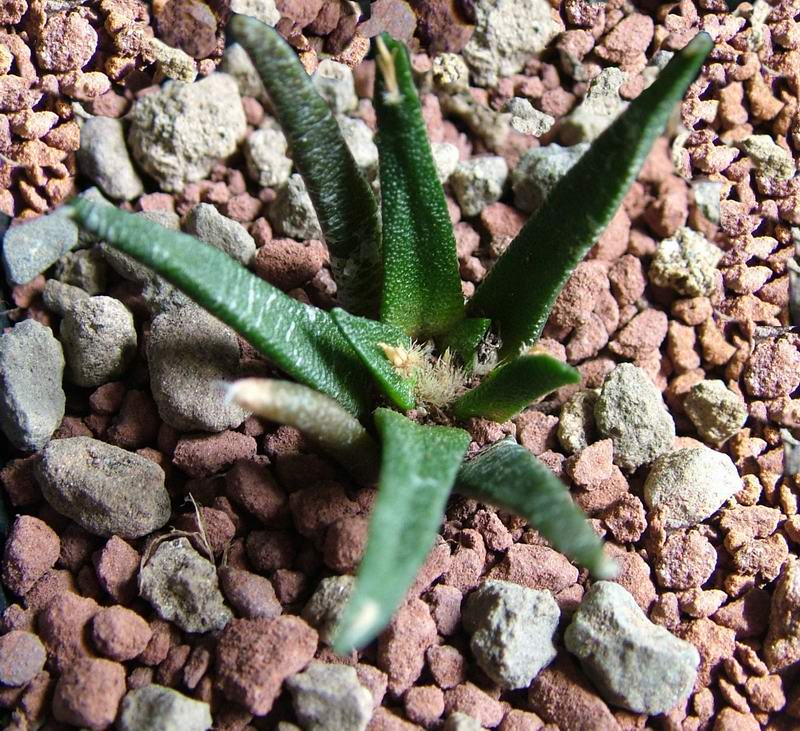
x: 405, y: 340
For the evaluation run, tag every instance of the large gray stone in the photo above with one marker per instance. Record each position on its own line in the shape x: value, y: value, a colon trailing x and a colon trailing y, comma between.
x: 156, y: 708
x: 538, y: 171
x: 189, y: 352
x: 507, y: 33
x: 716, y: 411
x: 631, y: 412
x: 265, y: 156
x: 182, y: 587
x: 104, y: 489
x: 103, y: 157
x: 32, y: 400
x: 329, y: 697
x: 99, y: 339
x: 512, y: 629
x: 33, y: 246
x: 179, y: 133
x: 690, y: 485
x: 478, y: 182
x: 209, y: 225
x: 634, y: 663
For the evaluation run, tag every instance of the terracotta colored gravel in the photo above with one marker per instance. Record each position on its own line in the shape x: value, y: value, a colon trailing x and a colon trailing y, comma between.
x: 279, y: 518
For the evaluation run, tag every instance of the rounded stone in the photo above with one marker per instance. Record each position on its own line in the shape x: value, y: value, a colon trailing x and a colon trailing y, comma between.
x: 104, y: 489
x: 156, y: 708
x: 22, y: 657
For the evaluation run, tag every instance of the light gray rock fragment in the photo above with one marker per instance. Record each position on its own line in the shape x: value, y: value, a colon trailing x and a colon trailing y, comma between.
x: 329, y: 697
x: 85, y: 268
x: 478, y: 182
x: 599, y: 108
x: 525, y: 118
x: 716, y: 411
x: 103, y: 157
x: 209, y: 225
x: 263, y: 10
x: 182, y: 587
x: 99, y: 339
x: 707, y: 195
x: 334, y: 83
x: 538, y: 171
x: 687, y: 263
x: 576, y: 429
x: 61, y: 298
x: 173, y: 63
x: 507, y: 33
x: 458, y: 721
x: 32, y: 400
x: 512, y: 629
x: 179, y: 133
x: 690, y: 485
x: 359, y: 139
x: 292, y: 213
x: 326, y: 604
x: 631, y: 412
x: 104, y: 489
x: 189, y: 352
x: 265, y: 156
x: 768, y: 157
x: 445, y: 159
x: 35, y: 245
x: 156, y: 708
x: 634, y: 663
x: 236, y: 63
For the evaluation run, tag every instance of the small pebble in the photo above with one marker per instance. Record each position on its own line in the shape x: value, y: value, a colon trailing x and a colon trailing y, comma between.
x: 88, y: 693
x: 156, y: 708
x: 22, y: 657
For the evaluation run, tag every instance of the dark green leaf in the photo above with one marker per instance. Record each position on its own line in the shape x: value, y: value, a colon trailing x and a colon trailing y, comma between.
x: 510, y: 477
x: 418, y: 467
x: 421, y: 286
x: 301, y: 340
x: 511, y: 387
x: 521, y: 288
x: 367, y: 338
x: 342, y: 197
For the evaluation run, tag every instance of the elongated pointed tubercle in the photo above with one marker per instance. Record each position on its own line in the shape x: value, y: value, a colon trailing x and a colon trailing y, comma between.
x: 520, y: 290
x: 421, y: 284
x: 418, y: 466
x: 299, y: 339
x: 321, y: 419
x: 342, y: 197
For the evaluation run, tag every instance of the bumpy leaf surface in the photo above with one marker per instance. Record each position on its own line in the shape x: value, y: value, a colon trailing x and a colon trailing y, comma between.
x: 521, y: 288
x: 418, y: 467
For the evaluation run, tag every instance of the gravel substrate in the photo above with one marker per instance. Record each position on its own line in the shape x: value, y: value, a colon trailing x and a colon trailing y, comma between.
x: 176, y: 563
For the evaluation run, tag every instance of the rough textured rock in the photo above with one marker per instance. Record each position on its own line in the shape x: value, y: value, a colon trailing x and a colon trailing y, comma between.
x: 103, y: 157
x: 690, y: 484
x: 189, y: 351
x: 539, y: 169
x: 32, y: 400
x: 263, y: 10
x: 716, y: 412
x: 183, y: 588
x: 208, y: 224
x: 478, y: 182
x: 22, y: 657
x: 178, y: 133
x: 782, y: 646
x: 507, y: 33
x: 31, y: 548
x: 265, y: 156
x: 329, y: 697
x: 326, y: 604
x: 255, y: 656
x: 576, y: 429
x: 88, y: 693
x: 31, y: 247
x: 631, y: 412
x: 635, y: 663
x: 768, y: 157
x: 99, y: 339
x: 512, y: 631
x: 599, y: 108
x: 334, y: 83
x: 292, y: 214
x: 686, y: 263
x: 156, y: 708
x: 104, y: 489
